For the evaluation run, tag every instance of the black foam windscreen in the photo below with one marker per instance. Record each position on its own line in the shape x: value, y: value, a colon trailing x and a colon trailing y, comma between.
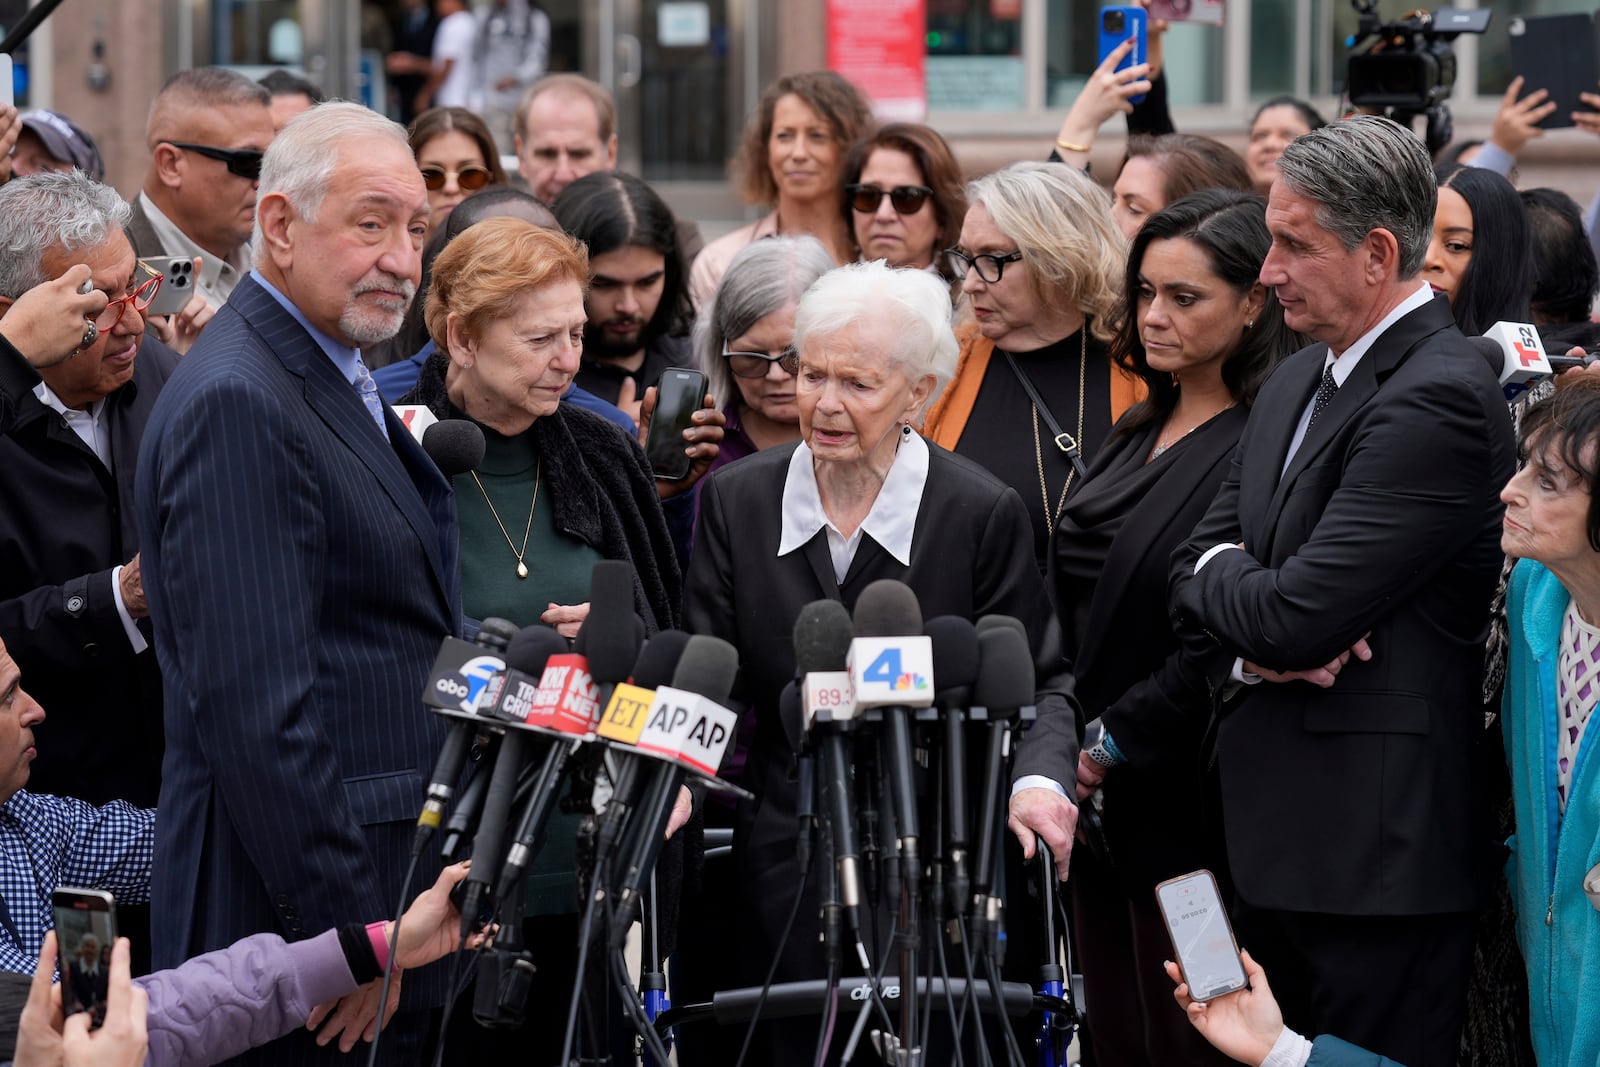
x: 1010, y: 622
x: 455, y: 446
x: 531, y: 647
x: 495, y: 632
x: 822, y: 634
x: 612, y: 634
x: 708, y: 666
x: 659, y: 659
x: 1005, y: 668
x: 955, y: 654
x: 888, y: 608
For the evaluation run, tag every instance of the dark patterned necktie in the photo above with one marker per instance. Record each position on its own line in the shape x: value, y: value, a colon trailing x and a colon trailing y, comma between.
x: 1325, y: 391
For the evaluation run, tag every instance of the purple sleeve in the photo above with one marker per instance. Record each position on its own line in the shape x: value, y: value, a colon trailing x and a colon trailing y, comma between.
x: 218, y: 1005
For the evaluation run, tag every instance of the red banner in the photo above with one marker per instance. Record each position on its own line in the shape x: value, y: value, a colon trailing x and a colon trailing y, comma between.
x: 880, y: 46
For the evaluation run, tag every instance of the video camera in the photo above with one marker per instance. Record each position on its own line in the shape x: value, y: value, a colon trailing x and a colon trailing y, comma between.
x: 1410, y: 66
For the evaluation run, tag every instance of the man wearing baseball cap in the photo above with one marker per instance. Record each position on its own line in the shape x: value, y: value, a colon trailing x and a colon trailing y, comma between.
x: 49, y: 140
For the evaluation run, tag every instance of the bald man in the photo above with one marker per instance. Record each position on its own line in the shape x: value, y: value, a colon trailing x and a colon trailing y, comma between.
x: 206, y: 133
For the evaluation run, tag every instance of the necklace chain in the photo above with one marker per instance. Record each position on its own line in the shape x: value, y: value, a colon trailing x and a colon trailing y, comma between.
x: 522, y: 567
x: 1160, y: 448
x: 1051, y: 517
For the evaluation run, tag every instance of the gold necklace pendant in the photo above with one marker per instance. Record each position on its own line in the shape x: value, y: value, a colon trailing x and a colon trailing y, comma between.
x: 522, y: 568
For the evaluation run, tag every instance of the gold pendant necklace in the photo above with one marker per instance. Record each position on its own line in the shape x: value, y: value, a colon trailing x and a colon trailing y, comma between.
x: 1051, y: 518
x: 522, y: 568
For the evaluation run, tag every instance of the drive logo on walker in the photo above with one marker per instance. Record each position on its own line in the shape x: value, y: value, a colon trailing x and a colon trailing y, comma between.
x: 892, y: 671
x: 567, y: 700
x: 688, y: 728
x: 460, y: 673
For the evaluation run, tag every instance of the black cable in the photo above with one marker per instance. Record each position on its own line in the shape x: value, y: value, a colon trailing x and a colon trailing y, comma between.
x: 830, y: 1014
x: 388, y: 968
x: 874, y: 1000
x: 777, y: 957
x: 635, y: 1010
x: 450, y: 1001
x: 970, y: 1000
x: 585, y: 931
x: 956, y: 1020
x: 1013, y: 1051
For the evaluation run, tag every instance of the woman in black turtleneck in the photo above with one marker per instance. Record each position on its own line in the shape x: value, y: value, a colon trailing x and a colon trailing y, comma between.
x: 1040, y: 262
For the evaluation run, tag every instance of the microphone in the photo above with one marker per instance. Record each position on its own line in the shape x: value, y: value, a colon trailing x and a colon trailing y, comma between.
x: 460, y: 672
x: 690, y: 729
x: 822, y: 636
x: 528, y: 651
x: 624, y: 720
x: 1005, y: 684
x: 955, y: 650
x: 891, y: 668
x: 455, y: 445
x: 1516, y: 354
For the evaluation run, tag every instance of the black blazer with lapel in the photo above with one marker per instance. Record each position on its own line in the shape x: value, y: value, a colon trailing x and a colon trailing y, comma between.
x: 1130, y: 670
x: 66, y: 521
x: 301, y: 572
x: 971, y: 555
x: 1358, y: 799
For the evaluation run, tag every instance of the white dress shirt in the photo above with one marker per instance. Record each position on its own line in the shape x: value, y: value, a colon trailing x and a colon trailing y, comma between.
x: 891, y: 522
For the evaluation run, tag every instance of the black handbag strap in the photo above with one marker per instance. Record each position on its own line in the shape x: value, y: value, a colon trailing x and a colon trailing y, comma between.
x: 1068, y: 444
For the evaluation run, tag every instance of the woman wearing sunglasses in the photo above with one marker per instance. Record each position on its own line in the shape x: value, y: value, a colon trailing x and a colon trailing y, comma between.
x: 1040, y: 263
x: 457, y: 157
x: 903, y: 198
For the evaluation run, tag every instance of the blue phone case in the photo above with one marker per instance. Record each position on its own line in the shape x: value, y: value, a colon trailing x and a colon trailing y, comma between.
x: 1135, y: 25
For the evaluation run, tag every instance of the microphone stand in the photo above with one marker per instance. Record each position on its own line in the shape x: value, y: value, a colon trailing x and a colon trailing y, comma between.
x: 652, y: 979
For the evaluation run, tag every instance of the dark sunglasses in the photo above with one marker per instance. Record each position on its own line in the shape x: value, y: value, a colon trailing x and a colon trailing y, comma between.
x: 245, y: 162
x: 905, y: 199
x: 989, y: 266
x: 756, y: 364
x: 471, y: 177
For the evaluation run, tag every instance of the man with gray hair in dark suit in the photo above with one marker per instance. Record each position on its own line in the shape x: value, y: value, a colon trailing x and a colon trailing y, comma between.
x: 1342, y: 580
x: 300, y: 559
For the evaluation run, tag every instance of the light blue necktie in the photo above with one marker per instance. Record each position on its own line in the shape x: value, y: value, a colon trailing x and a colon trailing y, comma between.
x: 369, y: 396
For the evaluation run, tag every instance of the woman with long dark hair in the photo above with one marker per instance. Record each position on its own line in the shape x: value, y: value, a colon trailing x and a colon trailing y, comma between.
x: 1480, y: 256
x: 1202, y: 334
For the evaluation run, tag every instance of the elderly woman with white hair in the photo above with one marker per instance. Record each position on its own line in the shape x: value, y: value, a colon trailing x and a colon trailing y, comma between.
x: 862, y: 496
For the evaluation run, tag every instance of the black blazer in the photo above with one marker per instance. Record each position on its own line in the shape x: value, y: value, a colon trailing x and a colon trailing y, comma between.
x: 971, y: 555
x: 1130, y: 669
x: 1358, y: 799
x: 301, y: 572
x: 65, y: 522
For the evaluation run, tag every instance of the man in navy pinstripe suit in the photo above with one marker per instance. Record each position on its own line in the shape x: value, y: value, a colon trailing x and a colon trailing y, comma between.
x: 300, y: 561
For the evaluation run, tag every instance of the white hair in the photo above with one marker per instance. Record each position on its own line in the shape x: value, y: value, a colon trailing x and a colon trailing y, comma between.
x: 910, y: 306
x: 300, y: 161
x: 66, y: 210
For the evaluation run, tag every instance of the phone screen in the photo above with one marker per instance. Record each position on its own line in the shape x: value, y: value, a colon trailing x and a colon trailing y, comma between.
x: 86, y: 928
x: 679, y: 394
x: 1201, y: 936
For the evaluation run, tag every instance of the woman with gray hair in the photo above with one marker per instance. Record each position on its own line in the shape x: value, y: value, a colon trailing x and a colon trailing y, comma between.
x: 1040, y: 263
x: 745, y: 342
x: 861, y: 497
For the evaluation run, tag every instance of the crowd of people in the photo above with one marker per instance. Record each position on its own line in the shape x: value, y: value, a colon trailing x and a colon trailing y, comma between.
x: 1309, y: 604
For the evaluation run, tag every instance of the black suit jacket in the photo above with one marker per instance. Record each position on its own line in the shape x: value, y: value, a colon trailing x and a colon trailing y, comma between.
x: 971, y: 555
x: 301, y: 573
x: 65, y: 522
x: 1358, y: 799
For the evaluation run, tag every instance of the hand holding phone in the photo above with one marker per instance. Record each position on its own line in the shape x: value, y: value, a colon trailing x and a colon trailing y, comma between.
x: 1201, y: 936
x: 679, y: 395
x: 86, y: 930
x: 1119, y: 24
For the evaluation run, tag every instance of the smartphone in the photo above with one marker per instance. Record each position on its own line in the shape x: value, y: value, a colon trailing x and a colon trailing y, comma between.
x: 8, y: 82
x: 86, y: 928
x: 679, y: 394
x: 1117, y: 24
x: 1557, y: 53
x: 177, y: 283
x: 1208, y: 12
x: 1201, y: 935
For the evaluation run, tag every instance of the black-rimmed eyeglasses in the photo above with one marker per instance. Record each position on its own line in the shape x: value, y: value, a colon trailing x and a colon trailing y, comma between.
x: 245, y: 162
x: 990, y: 267
x: 905, y: 199
x: 758, y: 364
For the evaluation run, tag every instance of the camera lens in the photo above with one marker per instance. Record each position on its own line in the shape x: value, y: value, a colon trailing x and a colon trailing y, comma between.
x: 1113, y: 22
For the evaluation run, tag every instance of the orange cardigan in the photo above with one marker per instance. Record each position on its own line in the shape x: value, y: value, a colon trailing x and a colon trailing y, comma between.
x: 947, y: 418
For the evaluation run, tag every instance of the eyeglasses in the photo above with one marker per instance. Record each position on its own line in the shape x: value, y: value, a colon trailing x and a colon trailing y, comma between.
x: 986, y: 264
x: 471, y: 177
x: 757, y: 364
x: 905, y: 199
x: 140, y: 298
